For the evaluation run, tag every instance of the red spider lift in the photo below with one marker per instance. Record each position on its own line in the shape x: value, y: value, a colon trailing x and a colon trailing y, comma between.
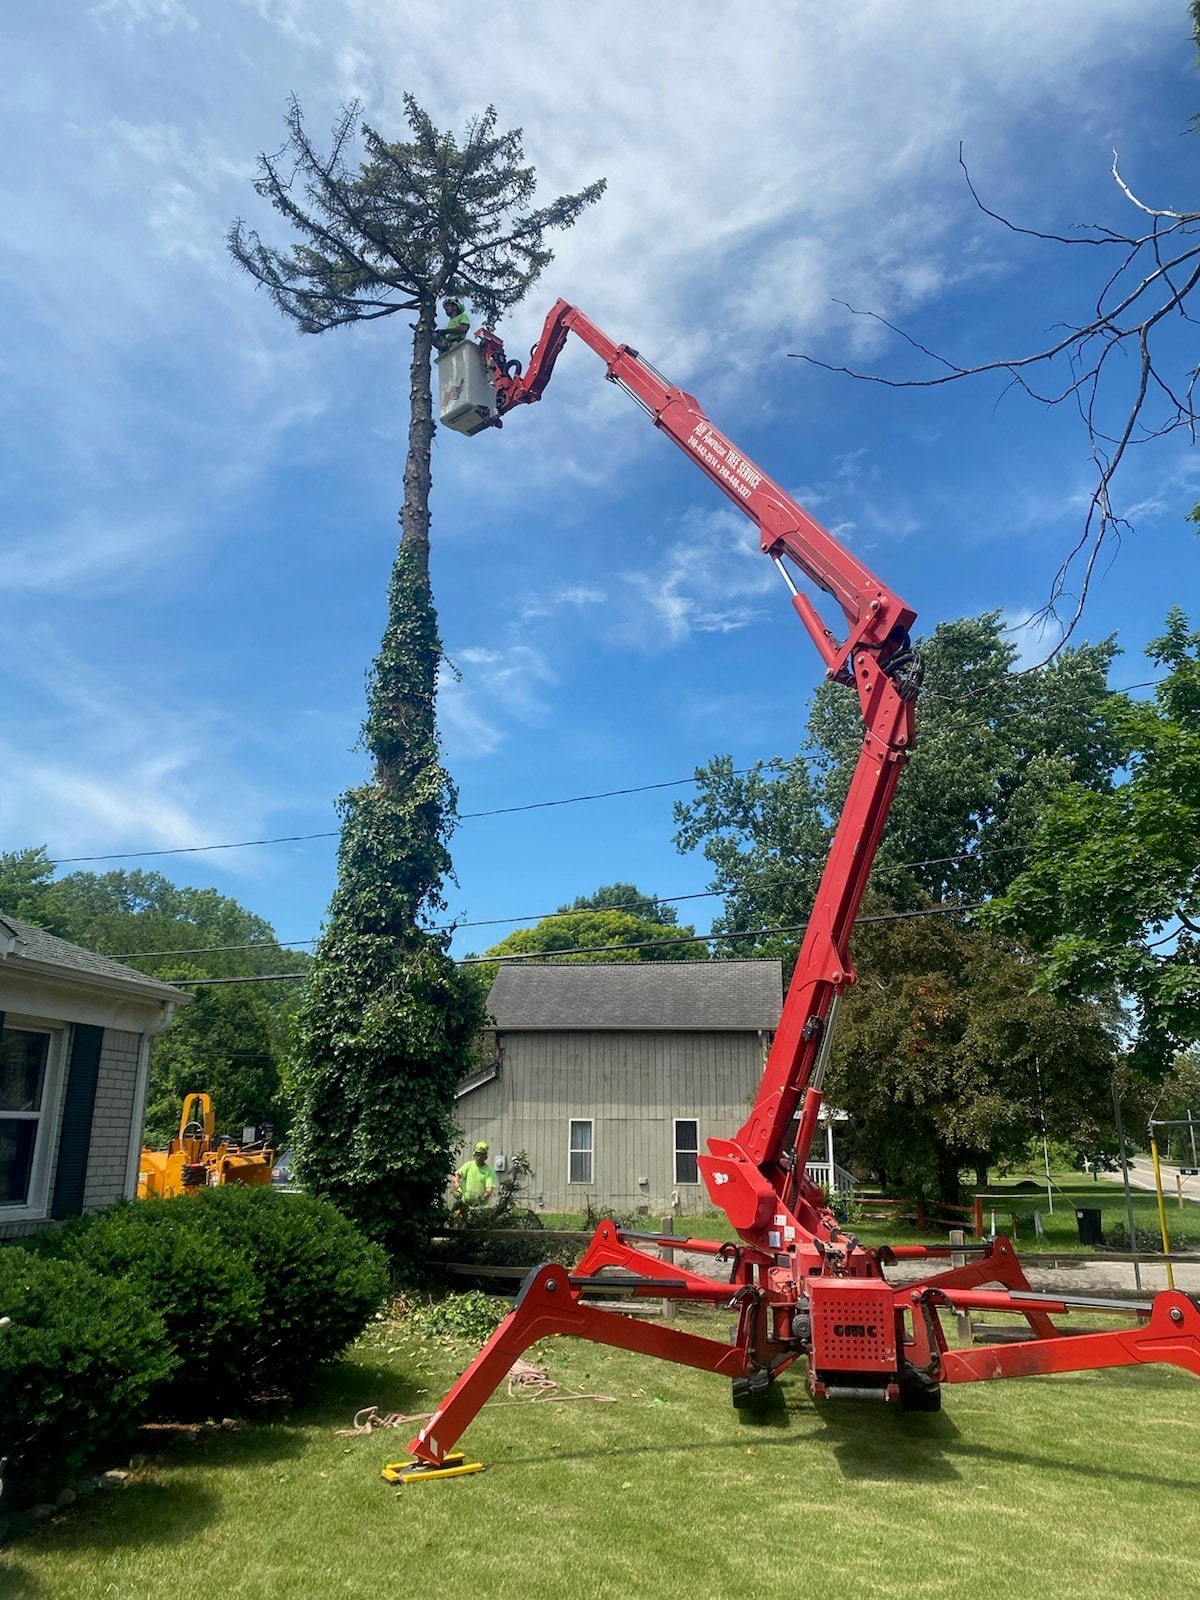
x: 800, y: 1285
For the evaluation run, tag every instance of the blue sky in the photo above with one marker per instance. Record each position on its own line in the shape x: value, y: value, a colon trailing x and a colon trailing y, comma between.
x: 199, y: 505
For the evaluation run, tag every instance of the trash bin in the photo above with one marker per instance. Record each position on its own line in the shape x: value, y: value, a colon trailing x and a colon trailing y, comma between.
x: 1088, y: 1222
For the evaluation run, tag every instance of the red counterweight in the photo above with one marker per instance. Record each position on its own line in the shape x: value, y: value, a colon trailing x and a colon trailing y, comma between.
x: 802, y: 1287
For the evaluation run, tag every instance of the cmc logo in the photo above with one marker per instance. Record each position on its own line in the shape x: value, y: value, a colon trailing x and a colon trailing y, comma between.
x: 854, y: 1330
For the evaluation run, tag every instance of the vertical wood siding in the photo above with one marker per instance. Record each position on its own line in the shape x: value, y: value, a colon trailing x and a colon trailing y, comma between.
x: 631, y: 1086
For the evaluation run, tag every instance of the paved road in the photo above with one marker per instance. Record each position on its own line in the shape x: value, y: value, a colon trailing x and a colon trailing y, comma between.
x: 1141, y: 1176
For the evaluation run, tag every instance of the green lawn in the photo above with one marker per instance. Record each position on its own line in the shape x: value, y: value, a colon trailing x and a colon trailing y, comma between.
x: 1071, y: 1190
x: 1086, y: 1486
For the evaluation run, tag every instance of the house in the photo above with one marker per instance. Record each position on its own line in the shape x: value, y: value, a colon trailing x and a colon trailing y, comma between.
x: 75, y: 1032
x: 611, y: 1076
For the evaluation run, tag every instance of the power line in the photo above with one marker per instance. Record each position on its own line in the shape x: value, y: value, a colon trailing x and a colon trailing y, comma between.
x: 633, y: 944
x: 333, y: 833
x: 572, y: 911
x: 533, y: 805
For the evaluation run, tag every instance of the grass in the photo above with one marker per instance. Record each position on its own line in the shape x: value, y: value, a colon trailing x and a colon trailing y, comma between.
x: 1085, y: 1486
x: 1020, y: 1192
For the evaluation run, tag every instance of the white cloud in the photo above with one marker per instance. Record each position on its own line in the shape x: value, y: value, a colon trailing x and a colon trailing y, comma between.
x: 159, y: 16
x: 496, y: 688
x: 572, y: 597
x: 96, y: 764
x: 710, y: 580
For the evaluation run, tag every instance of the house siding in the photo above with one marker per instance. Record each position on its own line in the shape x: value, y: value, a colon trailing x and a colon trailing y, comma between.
x: 632, y: 1086
x: 112, y: 1119
x: 108, y: 1153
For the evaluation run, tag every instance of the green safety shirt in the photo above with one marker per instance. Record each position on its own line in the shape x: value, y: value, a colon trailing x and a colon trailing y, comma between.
x: 476, y: 1180
x: 458, y: 327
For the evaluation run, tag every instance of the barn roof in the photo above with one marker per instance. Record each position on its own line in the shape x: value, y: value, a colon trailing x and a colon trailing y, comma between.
x: 669, y: 996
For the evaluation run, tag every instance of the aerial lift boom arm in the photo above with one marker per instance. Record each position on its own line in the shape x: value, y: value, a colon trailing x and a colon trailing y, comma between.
x: 800, y: 1285
x: 875, y: 656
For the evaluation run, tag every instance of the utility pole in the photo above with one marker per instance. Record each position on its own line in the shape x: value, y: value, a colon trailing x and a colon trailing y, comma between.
x: 1137, y: 1271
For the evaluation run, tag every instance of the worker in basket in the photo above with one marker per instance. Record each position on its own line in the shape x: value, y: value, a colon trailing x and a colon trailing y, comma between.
x: 475, y: 1180
x: 457, y: 327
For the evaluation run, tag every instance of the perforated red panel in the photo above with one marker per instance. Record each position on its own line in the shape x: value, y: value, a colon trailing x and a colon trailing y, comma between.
x: 853, y: 1325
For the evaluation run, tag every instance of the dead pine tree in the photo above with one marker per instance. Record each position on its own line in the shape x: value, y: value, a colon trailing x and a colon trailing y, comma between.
x: 388, y: 1022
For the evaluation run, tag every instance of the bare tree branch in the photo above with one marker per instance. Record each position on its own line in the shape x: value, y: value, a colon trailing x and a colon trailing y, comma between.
x: 1138, y: 309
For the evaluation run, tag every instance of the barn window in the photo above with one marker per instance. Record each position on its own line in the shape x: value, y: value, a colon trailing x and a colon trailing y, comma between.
x: 579, y: 1163
x: 687, y: 1145
x: 24, y: 1056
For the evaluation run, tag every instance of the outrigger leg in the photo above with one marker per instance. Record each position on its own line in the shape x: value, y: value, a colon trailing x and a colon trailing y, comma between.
x: 549, y: 1304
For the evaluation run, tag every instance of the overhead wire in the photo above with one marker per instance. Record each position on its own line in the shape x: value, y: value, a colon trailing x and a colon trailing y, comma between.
x: 333, y: 833
x: 571, y: 911
x: 532, y: 805
x: 595, y: 949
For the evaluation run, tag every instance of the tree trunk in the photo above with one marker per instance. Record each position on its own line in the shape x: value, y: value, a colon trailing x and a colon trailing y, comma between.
x: 418, y: 479
x: 981, y: 1174
x: 948, y: 1180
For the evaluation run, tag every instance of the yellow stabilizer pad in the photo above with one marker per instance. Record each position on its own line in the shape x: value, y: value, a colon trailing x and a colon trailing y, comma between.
x: 455, y: 1465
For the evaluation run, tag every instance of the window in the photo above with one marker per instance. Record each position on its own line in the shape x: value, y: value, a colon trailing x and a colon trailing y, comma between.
x: 24, y: 1054
x: 687, y: 1146
x: 579, y: 1160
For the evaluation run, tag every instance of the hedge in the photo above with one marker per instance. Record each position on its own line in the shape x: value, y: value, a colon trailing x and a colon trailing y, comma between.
x: 321, y: 1279
x: 181, y: 1308
x: 209, y: 1295
x: 78, y: 1364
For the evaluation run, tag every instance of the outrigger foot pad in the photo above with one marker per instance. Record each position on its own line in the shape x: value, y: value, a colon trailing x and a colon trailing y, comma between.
x: 455, y: 1465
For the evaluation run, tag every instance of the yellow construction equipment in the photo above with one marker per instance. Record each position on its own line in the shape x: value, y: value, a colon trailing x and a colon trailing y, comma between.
x: 196, y: 1159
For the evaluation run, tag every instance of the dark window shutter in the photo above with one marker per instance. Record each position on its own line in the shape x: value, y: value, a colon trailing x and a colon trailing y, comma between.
x: 84, y: 1070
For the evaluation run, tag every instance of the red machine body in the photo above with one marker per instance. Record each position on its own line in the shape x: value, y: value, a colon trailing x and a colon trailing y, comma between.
x: 802, y: 1286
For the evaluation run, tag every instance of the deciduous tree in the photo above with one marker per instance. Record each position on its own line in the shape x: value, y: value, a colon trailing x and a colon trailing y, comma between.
x: 934, y: 1050
x: 1111, y: 892
x: 232, y: 1041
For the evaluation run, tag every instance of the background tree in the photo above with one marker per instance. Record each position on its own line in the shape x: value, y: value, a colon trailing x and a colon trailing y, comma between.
x: 946, y: 1061
x: 231, y: 1042
x: 388, y: 1022
x: 605, y: 936
x: 1111, y: 892
x: 625, y: 897
x: 993, y: 749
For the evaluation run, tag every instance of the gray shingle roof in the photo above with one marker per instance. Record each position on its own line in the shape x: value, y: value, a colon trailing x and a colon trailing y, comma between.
x: 35, y: 944
x: 713, y: 996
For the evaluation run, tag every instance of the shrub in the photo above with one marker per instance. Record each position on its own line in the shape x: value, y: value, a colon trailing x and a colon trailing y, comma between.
x: 321, y: 1279
x: 1148, y: 1240
x: 473, y: 1315
x: 77, y: 1368
x: 210, y: 1297
x: 256, y: 1289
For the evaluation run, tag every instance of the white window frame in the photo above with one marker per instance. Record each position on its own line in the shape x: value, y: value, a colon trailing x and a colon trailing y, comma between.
x: 38, y: 1202
x: 590, y: 1152
x: 695, y: 1152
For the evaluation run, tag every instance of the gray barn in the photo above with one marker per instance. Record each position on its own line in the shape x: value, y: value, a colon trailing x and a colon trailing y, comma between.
x: 611, y: 1076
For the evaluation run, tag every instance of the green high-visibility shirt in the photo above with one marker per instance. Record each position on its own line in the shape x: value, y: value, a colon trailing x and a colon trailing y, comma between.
x: 476, y: 1181
x: 459, y: 323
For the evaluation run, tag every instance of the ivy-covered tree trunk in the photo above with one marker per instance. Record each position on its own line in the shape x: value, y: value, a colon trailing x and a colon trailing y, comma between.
x: 387, y: 1023
x: 388, y: 1020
